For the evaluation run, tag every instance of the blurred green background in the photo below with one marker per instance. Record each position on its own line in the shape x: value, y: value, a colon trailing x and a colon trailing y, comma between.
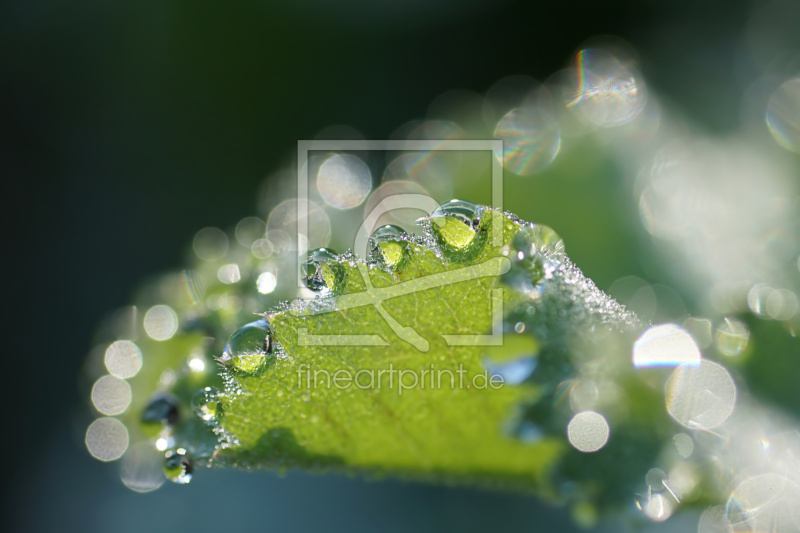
x: 129, y: 126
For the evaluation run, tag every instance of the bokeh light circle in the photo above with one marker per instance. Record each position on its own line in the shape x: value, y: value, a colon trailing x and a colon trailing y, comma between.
x: 107, y: 439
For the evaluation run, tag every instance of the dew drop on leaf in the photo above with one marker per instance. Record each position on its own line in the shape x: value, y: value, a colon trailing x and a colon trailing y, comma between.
x: 538, y: 239
x: 387, y: 246
x: 248, y: 347
x: 206, y: 405
x: 312, y: 271
x: 178, y: 466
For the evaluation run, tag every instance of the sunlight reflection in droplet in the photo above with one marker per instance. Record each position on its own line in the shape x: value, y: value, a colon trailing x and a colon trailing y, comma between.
x: 659, y: 507
x: 107, y: 439
x: 266, y: 282
x: 111, y: 395
x: 531, y: 140
x: 123, y: 359
x: 700, y: 397
x: 609, y: 91
x: 344, y: 181
x: 665, y: 345
x: 783, y: 115
x: 160, y: 322
x: 229, y: 274
x: 141, y: 468
x: 210, y: 244
x: 588, y: 431
x: 732, y: 336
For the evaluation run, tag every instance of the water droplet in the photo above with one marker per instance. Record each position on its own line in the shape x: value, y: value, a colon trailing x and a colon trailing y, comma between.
x: 314, y: 275
x: 732, y: 336
x: 178, y: 466
x: 207, y: 406
x: 588, y: 431
x: 266, y: 282
x: 388, y: 245
x: 700, y: 396
x: 658, y: 507
x: 162, y: 410
x: 141, y: 468
x: 538, y: 239
x: 461, y: 210
x: 344, y: 181
x: 248, y: 347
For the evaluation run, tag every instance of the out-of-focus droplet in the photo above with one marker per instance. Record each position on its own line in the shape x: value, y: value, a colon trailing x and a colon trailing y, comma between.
x: 658, y: 507
x: 178, y: 466
x: 538, y: 239
x: 197, y: 362
x: 783, y: 115
x: 588, y: 431
x: 732, y: 336
x: 107, y: 439
x: 282, y: 225
x: 583, y: 395
x: 425, y: 169
x: 161, y: 322
x: 713, y: 520
x: 123, y: 359
x: 210, y: 244
x: 141, y: 470
x: 609, y: 92
x: 344, y: 181
x: 768, y: 302
x: 266, y: 282
x: 262, y: 248
x: 249, y: 230
x: 684, y: 445
x: 387, y: 245
x: 531, y: 140
x: 665, y: 345
x: 766, y: 502
x: 248, y: 347
x: 313, y: 271
x: 700, y: 330
x: 161, y: 410
x: 700, y: 396
x: 655, y: 479
x: 206, y: 405
x: 111, y: 395
x: 229, y: 274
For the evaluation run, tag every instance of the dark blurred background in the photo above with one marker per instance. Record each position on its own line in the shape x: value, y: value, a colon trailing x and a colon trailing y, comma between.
x: 129, y: 126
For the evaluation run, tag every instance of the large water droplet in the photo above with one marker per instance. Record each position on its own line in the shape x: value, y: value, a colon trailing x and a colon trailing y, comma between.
x: 315, y: 276
x: 161, y: 410
x: 248, y: 347
x: 207, y: 406
x: 538, y: 239
x: 178, y: 466
x: 454, y: 225
x: 388, y: 245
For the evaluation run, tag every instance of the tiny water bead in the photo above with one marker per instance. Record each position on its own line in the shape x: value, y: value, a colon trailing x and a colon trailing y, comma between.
x: 161, y: 410
x: 206, y: 405
x: 388, y: 245
x: 178, y: 466
x: 538, y: 239
x: 312, y: 271
x: 248, y: 347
